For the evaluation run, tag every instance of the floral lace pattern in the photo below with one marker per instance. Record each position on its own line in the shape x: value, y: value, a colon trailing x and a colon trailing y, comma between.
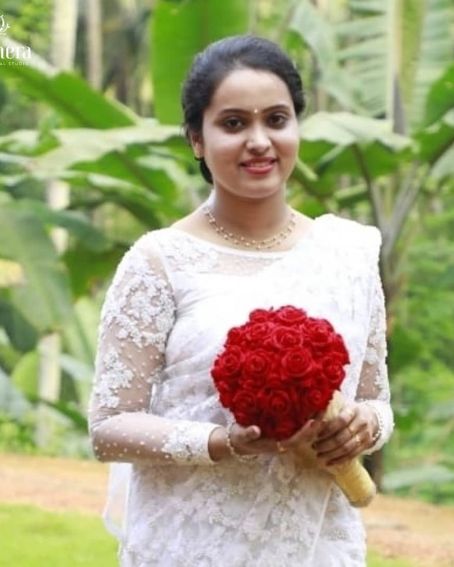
x: 166, y: 315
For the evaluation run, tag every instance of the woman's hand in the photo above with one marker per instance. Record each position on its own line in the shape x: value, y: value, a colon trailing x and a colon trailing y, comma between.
x: 347, y: 435
x: 247, y: 441
x: 242, y: 441
x: 302, y: 440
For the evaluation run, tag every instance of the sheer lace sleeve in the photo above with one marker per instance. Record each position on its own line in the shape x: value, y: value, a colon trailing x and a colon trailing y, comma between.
x: 373, y: 388
x: 136, y: 318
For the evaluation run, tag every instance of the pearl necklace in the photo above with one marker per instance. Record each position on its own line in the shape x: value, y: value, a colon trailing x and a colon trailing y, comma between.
x: 244, y: 242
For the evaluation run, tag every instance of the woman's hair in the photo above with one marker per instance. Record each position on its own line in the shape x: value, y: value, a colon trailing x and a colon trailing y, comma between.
x: 213, y: 64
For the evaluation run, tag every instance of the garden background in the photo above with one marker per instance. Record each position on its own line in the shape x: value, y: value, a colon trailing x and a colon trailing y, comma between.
x: 92, y: 156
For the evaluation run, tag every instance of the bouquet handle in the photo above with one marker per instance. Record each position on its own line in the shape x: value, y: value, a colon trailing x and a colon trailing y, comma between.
x: 351, y: 477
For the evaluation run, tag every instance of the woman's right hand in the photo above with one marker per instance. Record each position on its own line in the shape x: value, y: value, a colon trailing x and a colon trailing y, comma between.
x: 247, y: 441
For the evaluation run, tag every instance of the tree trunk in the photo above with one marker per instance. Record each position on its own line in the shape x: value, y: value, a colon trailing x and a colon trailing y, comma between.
x: 93, y: 18
x: 49, y: 380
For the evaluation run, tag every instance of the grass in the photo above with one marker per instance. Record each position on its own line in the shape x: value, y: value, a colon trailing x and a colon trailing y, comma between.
x: 31, y: 537
x: 374, y: 560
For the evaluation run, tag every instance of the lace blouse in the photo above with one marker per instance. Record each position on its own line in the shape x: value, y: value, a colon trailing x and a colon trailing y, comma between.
x: 166, y: 315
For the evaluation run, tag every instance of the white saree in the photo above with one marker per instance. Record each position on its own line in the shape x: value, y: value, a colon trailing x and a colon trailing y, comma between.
x: 172, y: 301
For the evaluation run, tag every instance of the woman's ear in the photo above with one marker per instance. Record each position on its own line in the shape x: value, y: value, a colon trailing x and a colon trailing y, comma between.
x: 197, y: 144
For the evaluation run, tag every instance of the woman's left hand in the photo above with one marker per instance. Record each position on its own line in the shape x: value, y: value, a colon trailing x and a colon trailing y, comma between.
x: 347, y: 435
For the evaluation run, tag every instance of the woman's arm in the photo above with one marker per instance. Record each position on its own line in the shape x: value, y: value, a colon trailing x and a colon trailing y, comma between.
x: 373, y: 389
x: 136, y: 319
x: 365, y: 425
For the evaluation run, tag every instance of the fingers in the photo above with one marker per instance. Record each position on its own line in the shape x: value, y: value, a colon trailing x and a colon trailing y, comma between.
x: 248, y: 440
x: 305, y: 436
x: 335, y: 441
x: 345, y: 444
x: 352, y: 449
x: 252, y: 433
x: 345, y: 420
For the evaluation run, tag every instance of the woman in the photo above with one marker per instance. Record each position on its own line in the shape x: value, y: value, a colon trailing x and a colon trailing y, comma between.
x: 204, y: 491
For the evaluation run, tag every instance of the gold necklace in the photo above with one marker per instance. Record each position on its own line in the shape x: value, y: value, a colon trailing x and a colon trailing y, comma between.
x: 244, y: 242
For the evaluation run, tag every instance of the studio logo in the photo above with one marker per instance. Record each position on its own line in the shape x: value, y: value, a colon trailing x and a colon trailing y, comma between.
x: 3, y: 25
x: 12, y: 53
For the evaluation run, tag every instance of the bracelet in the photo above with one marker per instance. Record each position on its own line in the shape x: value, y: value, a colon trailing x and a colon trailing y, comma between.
x: 380, y: 425
x: 233, y: 452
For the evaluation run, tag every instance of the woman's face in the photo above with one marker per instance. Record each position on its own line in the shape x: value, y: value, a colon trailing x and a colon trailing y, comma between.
x: 250, y: 135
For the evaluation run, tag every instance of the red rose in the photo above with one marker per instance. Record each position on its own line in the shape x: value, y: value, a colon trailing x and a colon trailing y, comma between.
x: 318, y: 398
x: 283, y: 337
x: 235, y: 336
x: 226, y: 393
x: 337, y: 349
x: 251, y: 383
x: 297, y: 362
x: 256, y: 333
x: 275, y: 402
x: 228, y: 363
x: 267, y: 427
x: 284, y: 429
x: 319, y: 333
x: 259, y: 316
x: 304, y: 409
x: 334, y: 372
x: 257, y: 363
x: 244, y: 407
x: 279, y: 429
x: 289, y: 315
x: 310, y: 379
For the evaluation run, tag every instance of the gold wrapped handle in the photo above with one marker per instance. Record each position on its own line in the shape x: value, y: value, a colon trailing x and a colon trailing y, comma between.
x: 352, y: 478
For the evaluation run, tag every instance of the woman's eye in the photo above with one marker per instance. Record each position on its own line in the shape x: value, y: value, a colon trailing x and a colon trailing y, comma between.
x: 233, y: 123
x: 277, y: 120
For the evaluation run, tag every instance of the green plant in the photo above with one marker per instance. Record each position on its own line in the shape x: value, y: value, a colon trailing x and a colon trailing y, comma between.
x: 32, y: 538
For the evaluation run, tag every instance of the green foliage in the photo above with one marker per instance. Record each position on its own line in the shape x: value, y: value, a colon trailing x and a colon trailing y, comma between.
x: 69, y: 95
x: 32, y: 537
x: 17, y: 436
x: 179, y: 30
x: 43, y: 298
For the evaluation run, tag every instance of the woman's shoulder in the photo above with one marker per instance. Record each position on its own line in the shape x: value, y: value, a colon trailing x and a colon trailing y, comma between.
x: 151, y: 242
x: 349, y: 241
x: 350, y: 231
x: 175, y: 249
x: 143, y: 254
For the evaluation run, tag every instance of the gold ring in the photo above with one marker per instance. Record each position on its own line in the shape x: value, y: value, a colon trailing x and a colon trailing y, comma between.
x: 280, y: 448
x: 350, y: 413
x: 357, y: 440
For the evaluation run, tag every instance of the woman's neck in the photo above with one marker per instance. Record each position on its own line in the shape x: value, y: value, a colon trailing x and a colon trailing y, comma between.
x: 249, y: 217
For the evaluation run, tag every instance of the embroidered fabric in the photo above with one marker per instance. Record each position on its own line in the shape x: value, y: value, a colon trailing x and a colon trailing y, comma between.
x: 165, y: 318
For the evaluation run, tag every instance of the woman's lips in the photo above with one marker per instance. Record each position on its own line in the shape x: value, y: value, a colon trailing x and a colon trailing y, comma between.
x: 258, y: 167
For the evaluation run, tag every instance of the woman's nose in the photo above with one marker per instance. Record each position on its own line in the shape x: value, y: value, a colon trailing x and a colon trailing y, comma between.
x: 258, y: 140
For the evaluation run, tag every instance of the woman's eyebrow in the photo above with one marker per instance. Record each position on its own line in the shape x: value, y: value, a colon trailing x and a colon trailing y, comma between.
x: 274, y: 107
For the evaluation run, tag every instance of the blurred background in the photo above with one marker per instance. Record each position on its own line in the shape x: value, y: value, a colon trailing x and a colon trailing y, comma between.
x: 92, y: 156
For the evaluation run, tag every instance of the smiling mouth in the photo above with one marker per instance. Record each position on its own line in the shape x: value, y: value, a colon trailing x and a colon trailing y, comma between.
x: 258, y: 166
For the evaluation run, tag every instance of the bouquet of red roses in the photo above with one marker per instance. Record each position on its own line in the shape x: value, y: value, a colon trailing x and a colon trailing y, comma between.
x: 280, y: 369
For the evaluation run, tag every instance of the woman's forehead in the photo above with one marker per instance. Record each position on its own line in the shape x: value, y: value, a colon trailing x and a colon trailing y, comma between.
x: 250, y: 90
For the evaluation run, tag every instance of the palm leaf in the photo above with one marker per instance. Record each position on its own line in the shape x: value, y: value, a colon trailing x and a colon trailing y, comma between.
x: 180, y: 30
